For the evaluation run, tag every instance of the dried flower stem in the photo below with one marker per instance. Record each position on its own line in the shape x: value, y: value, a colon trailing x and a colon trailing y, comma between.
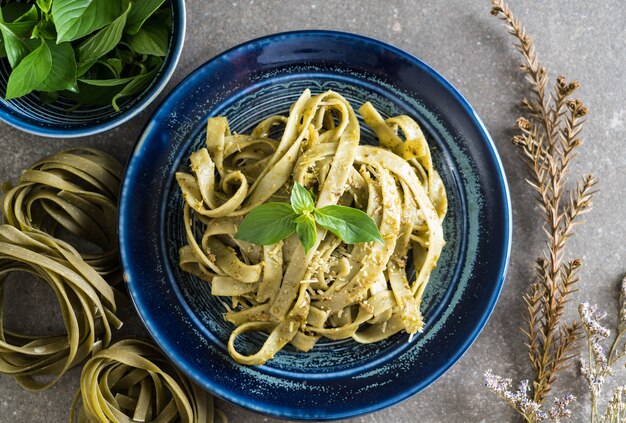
x: 621, y: 326
x: 598, y: 366
x: 548, y: 139
x: 615, y: 408
x: 525, y: 406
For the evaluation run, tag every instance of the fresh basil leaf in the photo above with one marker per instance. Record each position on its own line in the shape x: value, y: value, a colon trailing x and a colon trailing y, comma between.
x: 62, y: 75
x: 141, y: 11
x: 44, y: 5
x: 32, y: 15
x: 44, y: 30
x: 349, y: 224
x: 3, y: 51
x: 22, y: 29
x: 267, y: 224
x: 15, y: 46
x: 99, y: 44
x: 136, y: 86
x: 76, y: 18
x: 124, y: 53
x: 301, y: 200
x: 305, y: 229
x: 30, y: 72
x: 164, y: 15
x: 152, y: 38
x: 115, y: 65
x: 101, y: 70
x: 152, y: 61
x: 13, y: 10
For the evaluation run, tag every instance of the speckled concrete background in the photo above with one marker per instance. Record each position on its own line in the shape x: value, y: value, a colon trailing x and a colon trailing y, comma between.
x: 582, y: 39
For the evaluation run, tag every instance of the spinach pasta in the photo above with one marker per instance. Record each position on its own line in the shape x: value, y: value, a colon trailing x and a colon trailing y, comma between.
x: 86, y: 301
x: 72, y: 193
x: 132, y: 381
x: 333, y: 289
x: 74, y: 190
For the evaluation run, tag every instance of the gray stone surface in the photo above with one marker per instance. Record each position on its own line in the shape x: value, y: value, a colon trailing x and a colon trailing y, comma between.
x: 582, y: 39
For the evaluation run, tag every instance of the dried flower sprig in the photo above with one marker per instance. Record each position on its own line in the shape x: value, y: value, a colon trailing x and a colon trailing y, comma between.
x: 598, y: 366
x: 616, y: 408
x: 614, y: 355
x: 525, y: 406
x: 548, y: 137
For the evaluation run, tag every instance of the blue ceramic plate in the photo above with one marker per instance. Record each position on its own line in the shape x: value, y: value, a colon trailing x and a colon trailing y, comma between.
x: 337, y: 379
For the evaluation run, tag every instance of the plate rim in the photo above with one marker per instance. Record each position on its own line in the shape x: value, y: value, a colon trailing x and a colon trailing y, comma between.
x: 503, y: 192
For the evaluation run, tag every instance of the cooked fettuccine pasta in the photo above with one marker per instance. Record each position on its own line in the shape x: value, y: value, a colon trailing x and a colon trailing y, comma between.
x: 334, y: 290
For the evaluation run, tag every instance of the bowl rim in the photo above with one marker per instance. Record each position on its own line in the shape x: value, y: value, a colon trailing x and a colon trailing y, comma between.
x: 498, y: 279
x: 178, y: 42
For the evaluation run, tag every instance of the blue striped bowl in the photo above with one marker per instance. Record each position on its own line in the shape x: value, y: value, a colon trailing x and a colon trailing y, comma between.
x: 58, y: 120
x: 336, y: 379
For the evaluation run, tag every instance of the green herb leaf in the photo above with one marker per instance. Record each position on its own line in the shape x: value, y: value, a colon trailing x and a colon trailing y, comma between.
x: 12, y: 11
x: 102, y: 42
x: 305, y: 229
x: 349, y: 224
x: 44, y: 30
x: 115, y: 65
x: 267, y: 224
x: 135, y: 86
x: 152, y: 38
x: 44, y: 5
x: 301, y: 199
x: 124, y: 53
x: 62, y: 75
x: 140, y: 12
x: 21, y: 29
x: 30, y: 73
x: 164, y: 15
x: 32, y: 15
x: 14, y: 45
x: 76, y: 18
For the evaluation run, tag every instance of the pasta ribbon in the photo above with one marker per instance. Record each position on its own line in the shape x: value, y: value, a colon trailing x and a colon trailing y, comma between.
x: 335, y: 290
x: 132, y: 381
x: 86, y: 302
x: 74, y: 191
x: 71, y: 194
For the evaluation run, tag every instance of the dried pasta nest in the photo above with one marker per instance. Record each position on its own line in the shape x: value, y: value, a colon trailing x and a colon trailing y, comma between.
x: 85, y: 299
x: 75, y: 192
x: 71, y: 194
x: 133, y: 381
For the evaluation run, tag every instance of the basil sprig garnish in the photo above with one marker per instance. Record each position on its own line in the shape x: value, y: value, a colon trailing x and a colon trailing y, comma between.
x: 94, y: 52
x: 272, y: 222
